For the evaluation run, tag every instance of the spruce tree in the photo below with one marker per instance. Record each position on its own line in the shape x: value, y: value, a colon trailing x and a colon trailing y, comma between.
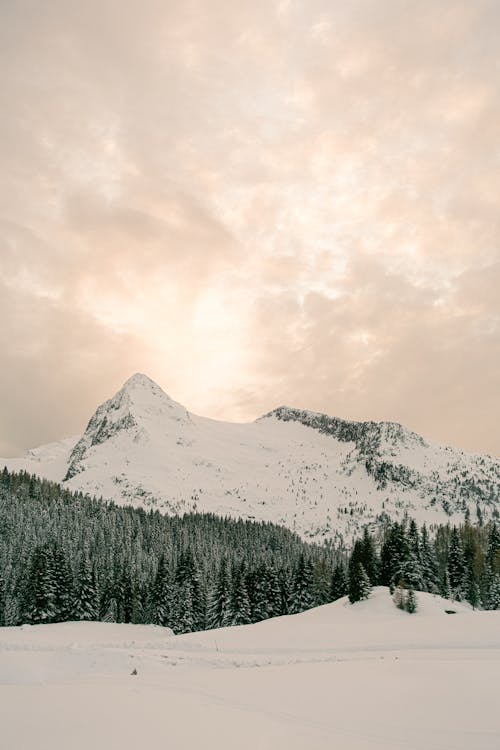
x: 40, y: 588
x: 493, y: 595
x: 219, y: 611
x: 393, y: 554
x: 2, y: 600
x: 85, y: 601
x: 274, y: 597
x: 428, y: 564
x: 456, y: 565
x: 302, y: 598
x: 257, y: 589
x: 473, y: 595
x: 359, y: 586
x: 411, y: 602
x: 159, y: 599
x: 338, y: 586
x: 368, y: 557
x: 445, y: 585
x: 111, y: 611
x: 240, y: 604
x: 63, y: 584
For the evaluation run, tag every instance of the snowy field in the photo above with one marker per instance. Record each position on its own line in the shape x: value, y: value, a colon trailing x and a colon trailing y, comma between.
x: 339, y: 676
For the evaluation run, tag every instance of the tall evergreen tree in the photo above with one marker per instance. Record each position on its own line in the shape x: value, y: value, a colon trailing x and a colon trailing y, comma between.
x: 428, y: 564
x: 40, y: 588
x: 240, y: 604
x: 302, y: 598
x: 338, y: 587
x: 159, y: 598
x: 63, y: 584
x: 456, y: 566
x: 2, y: 600
x: 368, y: 557
x: 393, y: 554
x: 85, y: 602
x: 359, y: 583
x: 219, y: 612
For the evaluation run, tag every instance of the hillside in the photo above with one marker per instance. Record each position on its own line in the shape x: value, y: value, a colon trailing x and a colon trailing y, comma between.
x: 320, y: 476
x: 300, y: 681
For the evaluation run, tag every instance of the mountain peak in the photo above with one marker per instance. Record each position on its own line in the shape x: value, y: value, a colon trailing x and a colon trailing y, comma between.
x: 141, y: 386
x: 138, y: 410
x: 139, y: 380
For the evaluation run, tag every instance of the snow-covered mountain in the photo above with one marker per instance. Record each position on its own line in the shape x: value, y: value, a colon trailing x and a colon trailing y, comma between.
x: 321, y: 476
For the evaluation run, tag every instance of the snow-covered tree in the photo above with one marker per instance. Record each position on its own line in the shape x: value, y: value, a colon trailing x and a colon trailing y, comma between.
x: 85, y: 601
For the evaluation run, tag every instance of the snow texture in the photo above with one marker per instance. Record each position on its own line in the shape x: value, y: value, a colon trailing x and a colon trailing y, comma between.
x: 358, y: 677
x: 320, y: 476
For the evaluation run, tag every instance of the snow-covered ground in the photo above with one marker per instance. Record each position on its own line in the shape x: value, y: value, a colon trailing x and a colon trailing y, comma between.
x: 366, y: 676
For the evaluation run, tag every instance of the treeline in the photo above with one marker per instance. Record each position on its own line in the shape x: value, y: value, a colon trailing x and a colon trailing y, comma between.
x: 66, y: 556
x: 458, y: 562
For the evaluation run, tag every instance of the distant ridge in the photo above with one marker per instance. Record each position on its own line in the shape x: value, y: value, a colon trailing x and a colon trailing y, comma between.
x: 321, y: 476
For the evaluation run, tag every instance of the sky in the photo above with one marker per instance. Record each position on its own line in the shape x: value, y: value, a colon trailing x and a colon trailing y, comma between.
x: 254, y: 203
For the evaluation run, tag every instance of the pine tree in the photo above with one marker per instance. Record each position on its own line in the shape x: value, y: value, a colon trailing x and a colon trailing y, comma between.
x: 493, y: 552
x: 219, y: 611
x: 473, y: 595
x: 274, y: 598
x: 493, y: 596
x: 111, y: 611
x: 445, y: 585
x: 2, y: 600
x: 456, y: 565
x: 184, y: 620
x: 399, y: 596
x: 257, y: 589
x: 11, y: 611
x: 39, y: 595
x: 338, y: 586
x: 393, y: 554
x: 359, y: 586
x: 428, y: 564
x: 240, y: 604
x: 85, y: 602
x: 63, y: 584
x: 159, y: 600
x: 413, y: 536
x: 365, y: 584
x: 182, y: 616
x: 411, y: 602
x: 369, y: 557
x: 410, y: 572
x: 302, y: 598
x: 285, y: 591
x: 321, y: 583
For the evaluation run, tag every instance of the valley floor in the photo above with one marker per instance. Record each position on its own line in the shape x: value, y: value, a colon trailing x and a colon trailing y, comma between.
x: 357, y: 677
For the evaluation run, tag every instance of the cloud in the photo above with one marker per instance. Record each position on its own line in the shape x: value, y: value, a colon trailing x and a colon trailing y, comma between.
x: 255, y: 204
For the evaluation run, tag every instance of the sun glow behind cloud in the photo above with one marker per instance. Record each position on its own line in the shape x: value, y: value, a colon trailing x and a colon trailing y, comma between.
x: 255, y: 204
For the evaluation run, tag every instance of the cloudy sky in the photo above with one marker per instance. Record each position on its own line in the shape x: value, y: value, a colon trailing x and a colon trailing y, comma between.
x: 255, y: 203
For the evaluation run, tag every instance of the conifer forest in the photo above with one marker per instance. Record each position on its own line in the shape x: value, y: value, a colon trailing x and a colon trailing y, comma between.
x: 67, y: 556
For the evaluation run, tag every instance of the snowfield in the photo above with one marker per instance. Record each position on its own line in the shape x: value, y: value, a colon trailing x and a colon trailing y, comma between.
x: 339, y: 676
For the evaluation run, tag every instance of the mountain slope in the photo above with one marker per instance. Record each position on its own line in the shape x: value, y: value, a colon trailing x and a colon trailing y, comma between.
x: 321, y: 476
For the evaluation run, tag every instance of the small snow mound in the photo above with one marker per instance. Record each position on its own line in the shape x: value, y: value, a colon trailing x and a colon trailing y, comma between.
x: 380, y: 602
